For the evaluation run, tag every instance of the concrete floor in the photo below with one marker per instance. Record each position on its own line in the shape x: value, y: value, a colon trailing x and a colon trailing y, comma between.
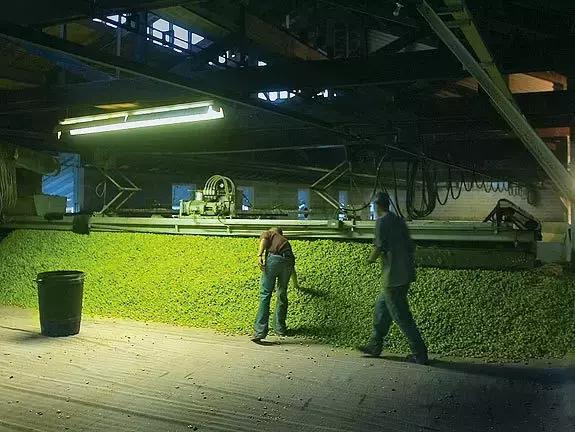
x: 124, y: 376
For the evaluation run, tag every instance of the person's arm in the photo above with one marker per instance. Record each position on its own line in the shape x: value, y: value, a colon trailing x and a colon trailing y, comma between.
x: 262, y: 253
x: 379, y: 243
x: 375, y: 253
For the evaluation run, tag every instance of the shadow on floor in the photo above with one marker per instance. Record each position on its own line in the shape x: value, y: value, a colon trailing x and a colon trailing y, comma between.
x: 511, y: 372
x: 311, y: 331
x: 24, y: 335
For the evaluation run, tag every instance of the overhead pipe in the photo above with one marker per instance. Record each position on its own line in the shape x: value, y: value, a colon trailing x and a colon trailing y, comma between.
x: 31, y: 160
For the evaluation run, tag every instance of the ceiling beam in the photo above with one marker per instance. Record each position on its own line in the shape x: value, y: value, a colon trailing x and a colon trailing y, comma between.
x: 20, y: 77
x: 429, y: 65
x: 396, y: 68
x: 42, y: 13
x: 263, y: 34
x: 79, y: 95
x: 384, y: 11
x: 546, y: 108
x: 558, y: 80
x: 461, y: 14
x: 19, y: 33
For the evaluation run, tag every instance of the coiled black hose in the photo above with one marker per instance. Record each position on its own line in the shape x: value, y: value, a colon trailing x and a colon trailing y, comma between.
x: 428, y: 197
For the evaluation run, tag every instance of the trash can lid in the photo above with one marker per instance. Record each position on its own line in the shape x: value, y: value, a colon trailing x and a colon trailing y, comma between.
x: 60, y: 275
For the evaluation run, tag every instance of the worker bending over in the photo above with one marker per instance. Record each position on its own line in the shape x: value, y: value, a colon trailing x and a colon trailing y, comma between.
x: 392, y: 240
x: 276, y: 260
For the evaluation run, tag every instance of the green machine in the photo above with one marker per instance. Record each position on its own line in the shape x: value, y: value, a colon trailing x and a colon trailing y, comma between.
x: 217, y: 198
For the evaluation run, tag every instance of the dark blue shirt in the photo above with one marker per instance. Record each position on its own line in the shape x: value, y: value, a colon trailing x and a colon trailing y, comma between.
x: 393, y: 240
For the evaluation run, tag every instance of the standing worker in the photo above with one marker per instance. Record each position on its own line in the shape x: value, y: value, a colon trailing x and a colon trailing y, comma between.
x: 277, y: 261
x: 392, y: 240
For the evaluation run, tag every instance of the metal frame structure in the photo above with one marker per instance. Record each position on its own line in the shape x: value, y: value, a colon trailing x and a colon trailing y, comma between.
x: 464, y: 21
x: 562, y: 180
x: 471, y: 233
x: 320, y: 186
x: 124, y: 192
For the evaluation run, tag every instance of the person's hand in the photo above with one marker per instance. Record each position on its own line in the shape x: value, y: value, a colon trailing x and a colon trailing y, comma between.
x: 370, y: 260
x: 261, y: 263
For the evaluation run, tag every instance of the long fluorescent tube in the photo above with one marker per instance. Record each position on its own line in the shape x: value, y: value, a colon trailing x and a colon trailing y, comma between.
x: 143, y: 111
x: 211, y: 114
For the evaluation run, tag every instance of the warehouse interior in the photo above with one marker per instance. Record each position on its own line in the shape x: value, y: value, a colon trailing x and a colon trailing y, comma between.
x: 147, y: 144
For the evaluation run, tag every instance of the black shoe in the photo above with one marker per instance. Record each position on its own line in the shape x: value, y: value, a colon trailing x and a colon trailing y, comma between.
x: 420, y: 359
x: 371, y: 350
x: 257, y: 338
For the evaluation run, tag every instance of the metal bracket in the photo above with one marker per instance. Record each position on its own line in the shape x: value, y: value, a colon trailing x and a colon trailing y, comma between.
x: 124, y: 192
x: 320, y: 186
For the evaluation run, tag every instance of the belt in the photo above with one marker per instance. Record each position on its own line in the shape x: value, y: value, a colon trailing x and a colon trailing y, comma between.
x: 283, y: 255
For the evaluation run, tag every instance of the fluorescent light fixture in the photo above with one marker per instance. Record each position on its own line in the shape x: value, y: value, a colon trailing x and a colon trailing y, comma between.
x: 142, y: 118
x: 143, y: 111
x: 211, y: 114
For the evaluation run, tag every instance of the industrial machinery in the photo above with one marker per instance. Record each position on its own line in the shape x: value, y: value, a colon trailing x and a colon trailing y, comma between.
x: 505, y: 212
x: 509, y: 234
x: 217, y: 198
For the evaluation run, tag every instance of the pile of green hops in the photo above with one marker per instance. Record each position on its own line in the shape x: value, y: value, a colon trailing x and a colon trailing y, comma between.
x: 213, y: 282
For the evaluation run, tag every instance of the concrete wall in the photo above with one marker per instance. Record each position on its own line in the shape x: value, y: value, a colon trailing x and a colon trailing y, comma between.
x: 477, y: 204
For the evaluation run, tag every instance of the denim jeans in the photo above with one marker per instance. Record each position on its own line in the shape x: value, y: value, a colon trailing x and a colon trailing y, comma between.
x: 280, y: 269
x: 392, y: 306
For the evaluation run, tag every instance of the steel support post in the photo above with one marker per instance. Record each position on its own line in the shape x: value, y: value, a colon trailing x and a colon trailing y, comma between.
x: 570, y: 207
x: 460, y: 13
x: 506, y: 107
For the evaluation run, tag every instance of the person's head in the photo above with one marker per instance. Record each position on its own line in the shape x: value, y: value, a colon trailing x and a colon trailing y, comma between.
x: 382, y: 203
x: 277, y: 230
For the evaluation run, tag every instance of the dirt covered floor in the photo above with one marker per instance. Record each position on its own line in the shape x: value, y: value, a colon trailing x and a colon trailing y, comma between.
x: 129, y: 376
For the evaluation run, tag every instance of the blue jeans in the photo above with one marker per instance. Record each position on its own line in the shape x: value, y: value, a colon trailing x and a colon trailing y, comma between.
x: 392, y: 306
x: 280, y: 269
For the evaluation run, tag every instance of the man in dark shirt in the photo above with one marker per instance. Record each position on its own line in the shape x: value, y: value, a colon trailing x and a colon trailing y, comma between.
x: 276, y: 260
x: 393, y: 242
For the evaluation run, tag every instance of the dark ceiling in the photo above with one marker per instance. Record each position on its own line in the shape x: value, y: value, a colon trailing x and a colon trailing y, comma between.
x: 392, y: 87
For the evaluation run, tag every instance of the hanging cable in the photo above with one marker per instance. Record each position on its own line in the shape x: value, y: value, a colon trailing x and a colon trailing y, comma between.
x: 459, y: 186
x: 428, y: 197
x: 447, y: 192
x: 374, y: 190
x: 465, y: 186
x: 396, y: 195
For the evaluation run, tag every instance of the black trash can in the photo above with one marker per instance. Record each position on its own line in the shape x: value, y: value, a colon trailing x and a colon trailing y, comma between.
x: 60, y: 301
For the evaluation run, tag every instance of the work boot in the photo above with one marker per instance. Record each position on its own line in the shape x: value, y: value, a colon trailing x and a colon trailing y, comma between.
x: 280, y: 332
x: 372, y: 349
x: 420, y: 359
x: 257, y: 338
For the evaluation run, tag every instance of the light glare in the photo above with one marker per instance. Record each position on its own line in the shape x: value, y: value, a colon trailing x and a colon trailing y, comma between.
x: 211, y: 114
